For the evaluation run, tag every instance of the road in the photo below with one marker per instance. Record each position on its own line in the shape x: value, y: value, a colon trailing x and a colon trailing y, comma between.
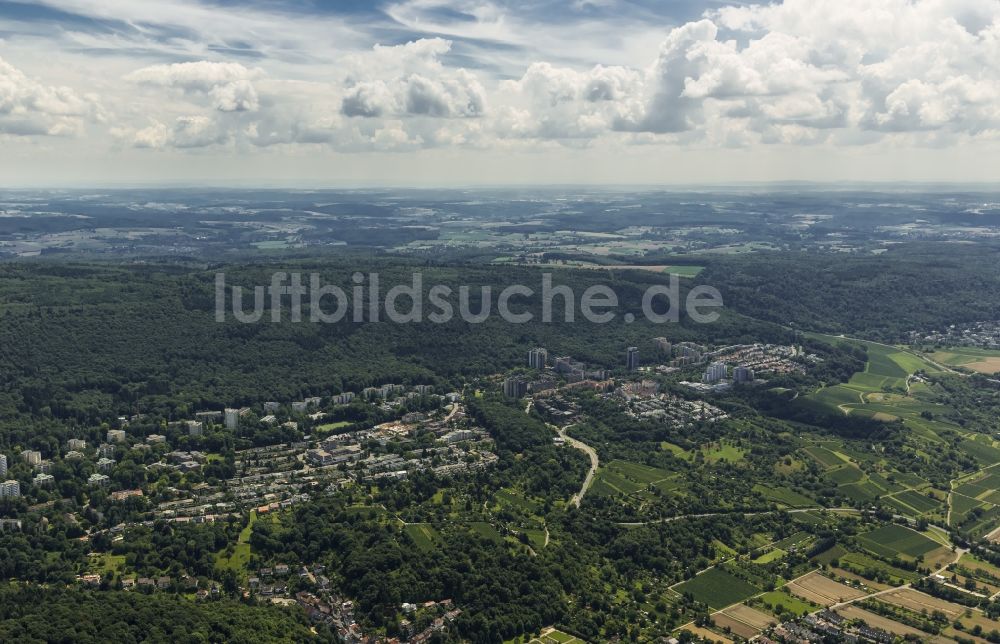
x: 594, y: 461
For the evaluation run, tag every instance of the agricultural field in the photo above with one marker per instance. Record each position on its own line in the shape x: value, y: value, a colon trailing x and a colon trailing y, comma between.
x: 821, y: 590
x: 785, y: 496
x: 921, y: 602
x: 883, y: 390
x: 627, y: 478
x: 516, y: 500
x: 732, y: 625
x: 871, y: 568
x: 717, y: 588
x: 877, y: 621
x: 825, y: 457
x: 485, y: 530
x: 970, y: 358
x: 896, y: 540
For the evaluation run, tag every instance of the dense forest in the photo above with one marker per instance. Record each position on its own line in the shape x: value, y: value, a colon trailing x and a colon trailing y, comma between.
x: 31, y: 614
x: 879, y: 297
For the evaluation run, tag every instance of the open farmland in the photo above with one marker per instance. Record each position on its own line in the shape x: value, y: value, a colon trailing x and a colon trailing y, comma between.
x: 892, y: 540
x: 974, y: 359
x: 735, y: 626
x: 822, y: 590
x: 921, y: 602
x: 877, y: 621
x: 717, y: 588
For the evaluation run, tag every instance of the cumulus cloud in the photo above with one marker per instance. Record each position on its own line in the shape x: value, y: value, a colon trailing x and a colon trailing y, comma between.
x: 796, y: 72
x: 28, y: 107
x: 185, y: 132
x: 410, y: 80
x: 227, y: 85
x: 793, y: 72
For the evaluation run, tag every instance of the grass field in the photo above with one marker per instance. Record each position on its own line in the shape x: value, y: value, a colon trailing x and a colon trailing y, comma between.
x: 892, y: 540
x: 717, y: 588
x: 723, y: 451
x: 240, y: 557
x: 105, y: 563
x: 423, y: 534
x: 770, y: 556
x: 788, y: 603
x: 484, y: 529
x: 326, y: 428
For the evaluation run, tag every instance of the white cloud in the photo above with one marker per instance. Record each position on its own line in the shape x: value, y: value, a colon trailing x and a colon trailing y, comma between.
x: 410, y: 80
x: 227, y: 85
x: 834, y: 73
x: 185, y: 132
x: 28, y: 107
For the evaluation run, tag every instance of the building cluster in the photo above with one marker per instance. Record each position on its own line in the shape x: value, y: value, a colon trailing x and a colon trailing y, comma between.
x: 329, y: 608
x: 563, y: 369
x: 825, y: 626
x: 642, y: 400
x: 283, y: 474
x: 985, y: 335
x: 762, y: 358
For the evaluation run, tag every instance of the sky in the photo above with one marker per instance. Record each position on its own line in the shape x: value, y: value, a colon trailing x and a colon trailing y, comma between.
x: 472, y: 92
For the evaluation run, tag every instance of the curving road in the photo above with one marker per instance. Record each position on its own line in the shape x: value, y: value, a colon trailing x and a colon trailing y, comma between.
x: 594, y: 462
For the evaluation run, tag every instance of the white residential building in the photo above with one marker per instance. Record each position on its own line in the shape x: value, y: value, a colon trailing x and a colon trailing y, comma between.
x: 116, y: 436
x: 715, y: 372
x: 3, y: 465
x: 76, y: 443
x: 195, y: 428
x: 98, y: 479
x: 232, y: 418
x: 10, y: 489
x: 537, y: 358
x: 43, y: 480
x: 31, y: 457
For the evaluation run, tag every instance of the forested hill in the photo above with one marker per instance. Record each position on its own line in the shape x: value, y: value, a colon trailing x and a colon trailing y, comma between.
x: 879, y: 297
x: 86, y: 342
